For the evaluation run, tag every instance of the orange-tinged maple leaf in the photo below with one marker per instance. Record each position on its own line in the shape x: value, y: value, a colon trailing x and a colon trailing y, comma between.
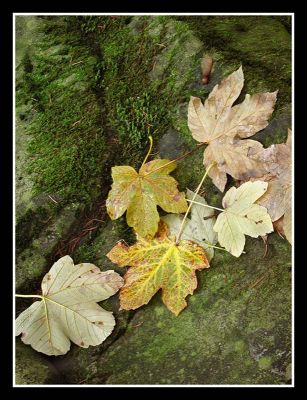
x: 159, y: 264
x: 223, y: 127
x: 140, y: 194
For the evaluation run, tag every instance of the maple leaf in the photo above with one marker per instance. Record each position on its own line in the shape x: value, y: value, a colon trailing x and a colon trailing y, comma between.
x: 287, y: 224
x: 199, y: 228
x: 223, y: 126
x: 68, y: 309
x: 156, y: 264
x: 242, y: 217
x: 140, y: 193
x: 278, y: 198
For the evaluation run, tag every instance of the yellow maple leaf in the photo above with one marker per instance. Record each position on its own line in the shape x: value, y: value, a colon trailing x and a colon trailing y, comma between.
x: 159, y: 264
x: 140, y: 193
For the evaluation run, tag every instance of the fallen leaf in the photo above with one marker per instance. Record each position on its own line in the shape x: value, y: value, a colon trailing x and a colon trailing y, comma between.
x: 140, y: 193
x: 278, y: 198
x: 242, y: 217
x: 198, y: 228
x: 223, y: 126
x: 288, y: 225
x: 158, y: 264
x: 278, y: 226
x: 68, y: 309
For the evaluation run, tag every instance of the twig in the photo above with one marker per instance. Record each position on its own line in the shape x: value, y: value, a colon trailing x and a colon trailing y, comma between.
x: 52, y: 199
x: 265, y: 241
x: 137, y: 325
x: 204, y: 205
x: 176, y: 159
x: 75, y: 123
x: 257, y: 281
x: 78, y: 62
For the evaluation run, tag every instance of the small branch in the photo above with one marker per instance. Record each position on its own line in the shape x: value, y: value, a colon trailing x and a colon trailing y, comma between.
x: 191, y: 203
x: 78, y: 62
x: 177, y: 159
x: 205, y: 205
x: 51, y: 198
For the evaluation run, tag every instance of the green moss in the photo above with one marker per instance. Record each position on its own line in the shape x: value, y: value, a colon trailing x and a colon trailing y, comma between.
x: 67, y: 142
x: 265, y: 362
x: 143, y: 76
x: 133, y: 131
x: 33, y: 256
x: 29, y: 226
x: 32, y: 368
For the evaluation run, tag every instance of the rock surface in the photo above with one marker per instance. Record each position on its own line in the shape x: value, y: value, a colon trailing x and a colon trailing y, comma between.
x: 237, y: 326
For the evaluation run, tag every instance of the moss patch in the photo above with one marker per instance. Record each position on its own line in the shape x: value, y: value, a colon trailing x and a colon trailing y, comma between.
x: 67, y: 141
x: 32, y: 368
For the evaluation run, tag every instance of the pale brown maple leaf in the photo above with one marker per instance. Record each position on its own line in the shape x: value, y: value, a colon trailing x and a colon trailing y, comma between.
x: 223, y: 127
x: 276, y: 159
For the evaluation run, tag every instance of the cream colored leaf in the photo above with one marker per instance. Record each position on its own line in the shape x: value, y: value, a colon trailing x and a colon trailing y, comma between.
x: 204, y: 218
x: 242, y: 217
x: 68, y: 310
x: 199, y: 228
x: 223, y: 126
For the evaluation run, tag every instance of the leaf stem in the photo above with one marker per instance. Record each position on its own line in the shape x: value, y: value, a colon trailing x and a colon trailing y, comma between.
x: 220, y: 248
x: 177, y: 159
x: 191, y: 203
x: 149, y: 150
x: 215, y: 247
x: 29, y: 295
x: 205, y: 205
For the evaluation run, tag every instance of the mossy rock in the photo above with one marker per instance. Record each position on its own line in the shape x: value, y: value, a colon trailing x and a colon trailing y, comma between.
x: 32, y: 368
x: 237, y: 326
x: 236, y: 329
x: 34, y: 260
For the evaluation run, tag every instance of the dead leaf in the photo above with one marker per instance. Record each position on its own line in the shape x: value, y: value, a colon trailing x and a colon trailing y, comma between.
x: 223, y: 126
x: 140, y: 193
x: 288, y: 224
x: 158, y: 264
x: 68, y: 309
x: 279, y: 227
x: 242, y: 217
x: 278, y: 198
